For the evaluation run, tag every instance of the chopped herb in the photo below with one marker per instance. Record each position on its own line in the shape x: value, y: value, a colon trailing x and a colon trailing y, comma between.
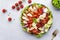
x: 34, y: 20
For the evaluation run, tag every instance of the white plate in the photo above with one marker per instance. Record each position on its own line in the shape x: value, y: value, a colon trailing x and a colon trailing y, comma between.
x: 13, y: 30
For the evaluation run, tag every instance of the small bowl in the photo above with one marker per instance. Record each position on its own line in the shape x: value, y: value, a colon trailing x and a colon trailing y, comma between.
x: 56, y: 3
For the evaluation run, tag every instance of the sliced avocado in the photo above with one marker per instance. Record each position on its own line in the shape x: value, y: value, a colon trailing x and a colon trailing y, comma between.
x: 41, y: 28
x: 50, y: 16
x: 47, y: 26
x: 48, y: 10
x: 39, y: 5
x: 39, y: 35
x: 50, y: 21
x: 22, y: 13
x: 22, y: 24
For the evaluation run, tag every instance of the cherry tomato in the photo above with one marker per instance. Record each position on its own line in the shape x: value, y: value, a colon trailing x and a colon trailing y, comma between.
x: 17, y: 8
x: 20, y: 2
x: 29, y: 1
x: 21, y: 6
x: 13, y: 7
x: 9, y: 19
x: 16, y: 4
x: 4, y: 10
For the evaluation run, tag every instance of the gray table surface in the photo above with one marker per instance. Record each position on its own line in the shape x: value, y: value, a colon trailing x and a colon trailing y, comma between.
x: 13, y: 30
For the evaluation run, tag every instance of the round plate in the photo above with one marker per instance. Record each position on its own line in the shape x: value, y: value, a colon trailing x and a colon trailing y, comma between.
x: 36, y: 19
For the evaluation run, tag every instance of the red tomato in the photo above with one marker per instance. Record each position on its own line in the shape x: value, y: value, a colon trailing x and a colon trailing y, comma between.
x: 29, y: 1
x: 30, y: 18
x: 16, y: 4
x: 46, y: 19
x: 13, y: 7
x: 43, y: 21
x: 17, y: 8
x: 9, y: 19
x: 35, y: 12
x: 35, y: 16
x: 38, y: 25
x: 20, y: 2
x: 29, y: 25
x: 21, y: 6
x: 40, y: 10
x: 47, y: 15
x: 38, y: 14
x: 35, y: 31
x: 4, y: 10
x: 29, y: 22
